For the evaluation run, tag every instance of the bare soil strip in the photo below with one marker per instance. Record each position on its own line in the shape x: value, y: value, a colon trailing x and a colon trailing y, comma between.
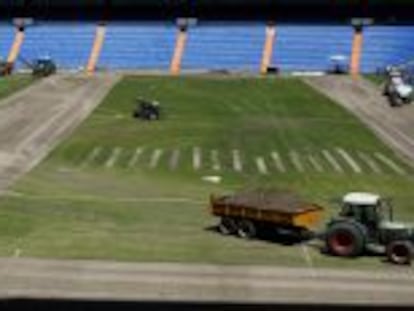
x: 370, y: 162
x: 390, y: 163
x: 237, y: 164
x: 116, y: 153
x: 261, y: 166
x: 332, y: 161
x: 278, y: 162
x: 135, y: 157
x: 199, y: 282
x: 395, y: 126
x: 155, y: 157
x: 215, y: 160
x: 350, y: 160
x: 56, y: 106
x: 175, y: 157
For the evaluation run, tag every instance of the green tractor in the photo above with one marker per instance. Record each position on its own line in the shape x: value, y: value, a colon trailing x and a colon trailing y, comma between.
x: 366, y: 222
x: 43, y: 67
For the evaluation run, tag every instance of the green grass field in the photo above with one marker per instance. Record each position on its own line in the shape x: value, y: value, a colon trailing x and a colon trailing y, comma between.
x: 97, y: 197
x: 11, y: 84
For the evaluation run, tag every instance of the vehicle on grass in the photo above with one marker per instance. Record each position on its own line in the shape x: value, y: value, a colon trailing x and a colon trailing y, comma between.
x: 147, y: 110
x: 365, y: 220
x: 43, y: 67
x: 6, y: 68
x: 397, y: 87
x: 252, y: 213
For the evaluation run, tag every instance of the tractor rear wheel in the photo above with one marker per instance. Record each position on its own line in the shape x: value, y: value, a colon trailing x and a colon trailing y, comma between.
x: 246, y: 229
x: 227, y: 226
x: 345, y: 240
x: 400, y: 252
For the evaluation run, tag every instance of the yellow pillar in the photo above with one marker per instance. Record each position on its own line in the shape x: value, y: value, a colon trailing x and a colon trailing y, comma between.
x: 180, y: 42
x: 268, y: 48
x: 15, y: 48
x: 96, y: 48
x: 356, y: 53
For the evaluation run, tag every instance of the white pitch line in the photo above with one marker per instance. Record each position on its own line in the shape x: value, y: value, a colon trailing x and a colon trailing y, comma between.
x: 237, y: 164
x: 332, y: 161
x: 175, y: 156
x: 278, y: 162
x: 196, y: 158
x: 261, y: 166
x: 370, y: 162
x: 390, y: 163
x: 135, y: 157
x: 316, y: 164
x: 92, y: 156
x: 155, y: 157
x: 294, y: 156
x: 308, y: 259
x: 350, y: 160
x: 116, y: 152
x: 215, y: 160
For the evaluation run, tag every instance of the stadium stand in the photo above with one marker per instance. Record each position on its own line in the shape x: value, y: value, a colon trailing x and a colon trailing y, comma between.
x: 385, y: 45
x: 308, y: 47
x: 68, y: 43
x: 224, y: 45
x: 146, y: 45
x: 6, y: 39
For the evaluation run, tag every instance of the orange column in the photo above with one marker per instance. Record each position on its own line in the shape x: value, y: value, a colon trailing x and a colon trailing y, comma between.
x: 96, y: 48
x: 15, y: 48
x: 356, y: 52
x: 268, y: 48
x: 180, y: 42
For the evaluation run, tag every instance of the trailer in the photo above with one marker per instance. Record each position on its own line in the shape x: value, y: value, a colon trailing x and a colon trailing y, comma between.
x: 250, y: 213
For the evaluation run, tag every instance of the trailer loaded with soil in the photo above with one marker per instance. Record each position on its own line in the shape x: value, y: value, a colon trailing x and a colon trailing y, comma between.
x: 364, y: 222
x: 251, y: 213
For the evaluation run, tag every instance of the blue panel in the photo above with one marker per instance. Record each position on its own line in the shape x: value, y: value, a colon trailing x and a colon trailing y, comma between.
x: 236, y: 46
x: 386, y: 45
x: 6, y: 39
x: 68, y: 43
x: 138, y: 45
x: 309, y: 47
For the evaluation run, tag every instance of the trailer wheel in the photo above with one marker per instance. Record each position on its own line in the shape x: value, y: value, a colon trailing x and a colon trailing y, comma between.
x: 246, y: 229
x: 400, y: 252
x: 227, y: 226
x: 345, y: 240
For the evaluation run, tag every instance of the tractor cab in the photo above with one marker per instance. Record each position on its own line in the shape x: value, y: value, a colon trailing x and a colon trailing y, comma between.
x: 43, y: 67
x: 366, y: 208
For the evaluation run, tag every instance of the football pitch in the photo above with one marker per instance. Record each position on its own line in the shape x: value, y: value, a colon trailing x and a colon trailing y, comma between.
x: 132, y: 190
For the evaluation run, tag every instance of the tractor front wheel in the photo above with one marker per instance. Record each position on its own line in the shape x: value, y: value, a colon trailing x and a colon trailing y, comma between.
x: 400, y: 252
x: 345, y: 240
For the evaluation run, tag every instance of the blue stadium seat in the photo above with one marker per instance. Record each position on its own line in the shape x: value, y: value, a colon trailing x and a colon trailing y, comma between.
x: 68, y: 43
x: 6, y: 39
x: 385, y: 45
x: 234, y: 46
x: 145, y: 45
x: 309, y: 47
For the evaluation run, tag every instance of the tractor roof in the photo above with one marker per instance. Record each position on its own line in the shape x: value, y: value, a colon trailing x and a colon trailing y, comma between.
x: 361, y: 198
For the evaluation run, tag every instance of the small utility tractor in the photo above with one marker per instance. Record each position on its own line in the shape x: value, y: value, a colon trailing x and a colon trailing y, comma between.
x: 6, y: 68
x: 366, y: 221
x: 147, y: 110
x: 397, y: 87
x: 43, y: 67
